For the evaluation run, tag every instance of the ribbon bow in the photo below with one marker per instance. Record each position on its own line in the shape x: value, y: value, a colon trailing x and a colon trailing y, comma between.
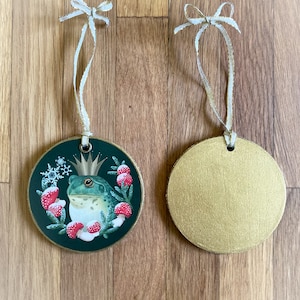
x: 216, y: 21
x: 82, y: 8
x: 92, y: 14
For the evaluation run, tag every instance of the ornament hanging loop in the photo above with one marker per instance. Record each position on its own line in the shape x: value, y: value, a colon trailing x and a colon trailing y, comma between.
x: 216, y: 20
x: 92, y: 13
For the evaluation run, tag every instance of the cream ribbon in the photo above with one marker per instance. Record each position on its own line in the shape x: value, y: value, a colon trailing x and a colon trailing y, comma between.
x: 216, y: 20
x: 82, y: 8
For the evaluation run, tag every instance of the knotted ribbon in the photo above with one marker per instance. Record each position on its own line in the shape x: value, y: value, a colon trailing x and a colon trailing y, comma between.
x: 216, y: 20
x: 82, y: 8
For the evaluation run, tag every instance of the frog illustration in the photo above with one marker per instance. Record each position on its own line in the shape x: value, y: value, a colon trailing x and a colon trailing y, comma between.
x: 91, y: 204
x: 89, y: 197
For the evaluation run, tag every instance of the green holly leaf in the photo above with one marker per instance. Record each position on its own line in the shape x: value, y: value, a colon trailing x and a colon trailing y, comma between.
x: 114, y: 168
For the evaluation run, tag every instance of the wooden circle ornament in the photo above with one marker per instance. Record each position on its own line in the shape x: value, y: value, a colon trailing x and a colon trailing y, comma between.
x: 85, y: 201
x: 226, y: 201
x: 225, y: 194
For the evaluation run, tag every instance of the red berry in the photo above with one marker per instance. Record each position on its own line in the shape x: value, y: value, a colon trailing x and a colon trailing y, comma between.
x: 93, y: 226
x: 124, y: 178
x: 73, y: 228
x: 123, y: 208
x: 49, y: 196
x: 123, y: 169
x: 55, y: 209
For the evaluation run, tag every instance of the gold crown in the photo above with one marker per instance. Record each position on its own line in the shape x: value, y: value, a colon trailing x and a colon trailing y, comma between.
x: 85, y: 167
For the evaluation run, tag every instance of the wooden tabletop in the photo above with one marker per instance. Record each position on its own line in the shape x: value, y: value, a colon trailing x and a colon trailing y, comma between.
x: 143, y: 93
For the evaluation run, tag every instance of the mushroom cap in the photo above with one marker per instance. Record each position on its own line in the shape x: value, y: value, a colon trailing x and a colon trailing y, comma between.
x: 123, y: 208
x: 49, y: 196
x: 93, y: 226
x: 123, y: 169
x: 124, y: 178
x: 73, y: 228
x: 56, y: 209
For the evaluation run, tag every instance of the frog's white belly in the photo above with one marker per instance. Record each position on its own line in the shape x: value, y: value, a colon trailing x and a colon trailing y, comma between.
x: 86, y: 208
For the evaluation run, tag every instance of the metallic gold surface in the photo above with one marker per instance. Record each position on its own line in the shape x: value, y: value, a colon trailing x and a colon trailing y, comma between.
x: 226, y: 201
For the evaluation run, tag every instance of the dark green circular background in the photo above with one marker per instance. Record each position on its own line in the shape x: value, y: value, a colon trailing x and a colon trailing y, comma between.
x: 69, y: 148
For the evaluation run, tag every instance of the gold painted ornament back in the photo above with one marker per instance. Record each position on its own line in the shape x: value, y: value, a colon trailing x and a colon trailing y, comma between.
x: 226, y: 201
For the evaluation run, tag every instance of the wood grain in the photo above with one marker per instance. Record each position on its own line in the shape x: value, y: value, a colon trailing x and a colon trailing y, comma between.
x: 254, y: 73
x: 287, y: 251
x: 137, y: 8
x: 141, y: 102
x: 35, y: 125
x: 287, y: 92
x: 248, y: 275
x: 4, y: 257
x: 5, y: 89
x: 143, y: 93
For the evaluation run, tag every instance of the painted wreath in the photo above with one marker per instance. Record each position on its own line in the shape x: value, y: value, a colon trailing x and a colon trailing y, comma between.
x: 95, y: 208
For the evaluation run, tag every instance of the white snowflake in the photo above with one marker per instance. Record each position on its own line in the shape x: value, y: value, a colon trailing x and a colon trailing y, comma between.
x: 66, y: 170
x: 52, y: 175
x: 60, y: 161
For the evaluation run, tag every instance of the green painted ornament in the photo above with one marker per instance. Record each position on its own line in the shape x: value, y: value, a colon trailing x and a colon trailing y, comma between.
x: 85, y: 202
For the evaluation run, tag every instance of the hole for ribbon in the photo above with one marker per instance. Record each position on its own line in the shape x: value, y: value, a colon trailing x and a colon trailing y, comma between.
x: 85, y: 148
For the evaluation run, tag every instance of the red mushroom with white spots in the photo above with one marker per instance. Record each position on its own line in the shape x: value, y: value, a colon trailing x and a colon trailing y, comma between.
x: 49, y: 196
x: 74, y: 229
x: 123, y: 169
x: 50, y: 201
x: 93, y: 227
x: 122, y: 210
x: 77, y: 230
x: 125, y: 179
x: 56, y: 209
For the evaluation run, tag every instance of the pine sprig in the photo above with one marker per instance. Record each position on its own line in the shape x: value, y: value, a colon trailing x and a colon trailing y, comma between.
x: 39, y: 192
x: 116, y: 161
x: 55, y: 226
x: 63, y: 231
x: 57, y: 223
x: 52, y: 217
x: 112, y: 172
x: 116, y: 196
x: 130, y: 194
x: 63, y: 216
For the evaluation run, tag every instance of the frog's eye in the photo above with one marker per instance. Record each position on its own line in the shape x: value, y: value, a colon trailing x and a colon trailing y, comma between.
x: 88, y: 182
